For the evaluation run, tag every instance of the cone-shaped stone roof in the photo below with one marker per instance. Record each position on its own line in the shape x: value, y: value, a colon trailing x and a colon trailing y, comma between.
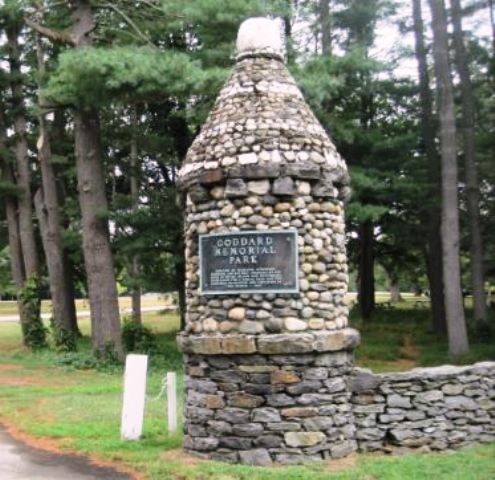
x: 261, y: 122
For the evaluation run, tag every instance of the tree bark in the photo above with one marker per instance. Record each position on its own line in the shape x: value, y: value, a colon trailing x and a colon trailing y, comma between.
x: 456, y: 323
x: 428, y: 130
x: 326, y: 27
x: 366, y: 270
x: 98, y: 258
x: 492, y: 22
x: 395, y: 296
x: 471, y: 168
x: 34, y: 335
x: 135, y: 266
x: 26, y: 226
x: 15, y: 249
x: 47, y: 207
x: 58, y: 137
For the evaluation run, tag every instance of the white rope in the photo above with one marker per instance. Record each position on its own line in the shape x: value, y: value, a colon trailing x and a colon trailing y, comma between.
x: 162, y: 393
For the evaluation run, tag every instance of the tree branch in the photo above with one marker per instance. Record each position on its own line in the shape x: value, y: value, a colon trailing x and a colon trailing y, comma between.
x: 54, y: 35
x: 129, y: 21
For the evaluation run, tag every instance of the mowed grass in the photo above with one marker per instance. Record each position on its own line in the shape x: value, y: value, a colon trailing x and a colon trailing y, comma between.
x: 81, y: 408
x: 8, y: 308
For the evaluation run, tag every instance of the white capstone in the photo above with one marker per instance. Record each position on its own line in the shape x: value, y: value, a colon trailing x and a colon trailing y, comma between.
x: 260, y: 35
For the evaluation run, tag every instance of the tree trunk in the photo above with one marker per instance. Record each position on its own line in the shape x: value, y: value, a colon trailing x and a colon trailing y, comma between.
x: 15, y: 249
x: 58, y: 138
x: 366, y: 270
x: 71, y: 293
x: 287, y: 25
x: 456, y: 323
x: 395, y: 296
x: 434, y: 269
x: 428, y: 130
x: 492, y: 22
x: 326, y: 27
x: 472, y: 187
x: 135, y: 267
x: 16, y: 261
x: 26, y: 226
x: 47, y: 207
x: 34, y: 334
x: 61, y: 309
x: 98, y: 258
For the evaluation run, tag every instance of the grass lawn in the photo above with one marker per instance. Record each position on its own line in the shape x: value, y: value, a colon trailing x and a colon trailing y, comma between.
x: 80, y: 409
x: 10, y: 307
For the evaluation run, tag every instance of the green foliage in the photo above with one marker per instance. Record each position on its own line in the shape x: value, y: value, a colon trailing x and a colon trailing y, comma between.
x: 90, y: 77
x: 8, y: 189
x: 108, y: 355
x: 137, y: 338
x: 34, y: 332
x: 87, y: 361
x: 7, y: 286
x: 63, y: 339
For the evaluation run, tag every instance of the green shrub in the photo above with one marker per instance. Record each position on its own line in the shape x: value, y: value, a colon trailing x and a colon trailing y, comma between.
x: 86, y: 361
x: 34, y: 332
x: 137, y: 338
x: 63, y: 339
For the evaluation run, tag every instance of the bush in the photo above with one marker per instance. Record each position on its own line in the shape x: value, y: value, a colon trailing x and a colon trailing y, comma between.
x: 64, y: 340
x: 88, y: 361
x: 137, y: 338
x: 34, y: 332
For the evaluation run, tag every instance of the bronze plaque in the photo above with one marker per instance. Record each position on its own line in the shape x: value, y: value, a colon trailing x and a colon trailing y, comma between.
x: 258, y: 261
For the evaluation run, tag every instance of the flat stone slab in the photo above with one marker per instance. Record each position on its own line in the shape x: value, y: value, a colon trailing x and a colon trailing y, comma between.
x: 269, y: 344
x: 19, y: 462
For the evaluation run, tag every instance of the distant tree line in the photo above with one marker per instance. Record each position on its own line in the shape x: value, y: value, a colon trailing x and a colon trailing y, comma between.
x: 99, y: 102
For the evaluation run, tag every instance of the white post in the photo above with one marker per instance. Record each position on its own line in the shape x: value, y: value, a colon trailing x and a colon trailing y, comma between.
x: 134, y: 396
x: 171, y: 402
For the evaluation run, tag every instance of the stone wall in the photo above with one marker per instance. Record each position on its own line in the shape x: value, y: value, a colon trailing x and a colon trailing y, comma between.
x: 260, y: 409
x: 431, y: 408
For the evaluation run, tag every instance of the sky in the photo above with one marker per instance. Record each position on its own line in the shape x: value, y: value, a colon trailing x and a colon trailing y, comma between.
x: 391, y: 43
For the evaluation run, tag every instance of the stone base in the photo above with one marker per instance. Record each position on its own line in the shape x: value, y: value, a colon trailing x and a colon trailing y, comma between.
x: 273, y: 408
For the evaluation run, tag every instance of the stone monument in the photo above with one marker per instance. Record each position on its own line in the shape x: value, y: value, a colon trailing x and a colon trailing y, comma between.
x: 266, y: 347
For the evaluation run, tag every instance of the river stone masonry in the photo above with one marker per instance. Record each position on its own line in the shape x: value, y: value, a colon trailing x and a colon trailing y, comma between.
x: 427, y: 408
x: 266, y: 372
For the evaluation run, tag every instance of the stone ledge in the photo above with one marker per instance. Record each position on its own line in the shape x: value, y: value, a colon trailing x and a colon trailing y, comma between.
x: 363, y: 379
x: 346, y: 339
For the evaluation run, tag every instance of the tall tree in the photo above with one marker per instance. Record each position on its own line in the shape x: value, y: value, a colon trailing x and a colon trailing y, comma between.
x: 134, y: 180
x: 326, y: 26
x: 47, y: 207
x: 471, y: 167
x: 433, y: 201
x: 9, y: 194
x: 98, y: 258
x: 32, y: 327
x: 454, y: 309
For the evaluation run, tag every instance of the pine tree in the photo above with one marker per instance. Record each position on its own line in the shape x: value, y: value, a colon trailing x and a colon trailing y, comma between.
x: 454, y: 309
x: 471, y: 168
